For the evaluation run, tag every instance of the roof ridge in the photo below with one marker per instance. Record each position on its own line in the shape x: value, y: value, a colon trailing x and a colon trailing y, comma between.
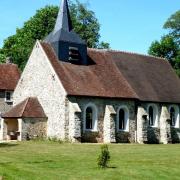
x: 8, y: 64
x: 26, y: 102
x: 126, y: 52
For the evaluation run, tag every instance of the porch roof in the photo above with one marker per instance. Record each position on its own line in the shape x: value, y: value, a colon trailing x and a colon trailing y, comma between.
x: 29, y: 108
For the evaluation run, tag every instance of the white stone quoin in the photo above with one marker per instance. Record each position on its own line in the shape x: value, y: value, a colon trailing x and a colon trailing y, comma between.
x: 141, y: 134
x: 74, y: 122
x: 109, y: 124
x: 164, y: 125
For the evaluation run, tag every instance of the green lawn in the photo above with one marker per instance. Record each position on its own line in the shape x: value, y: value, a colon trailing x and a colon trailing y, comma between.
x: 51, y: 160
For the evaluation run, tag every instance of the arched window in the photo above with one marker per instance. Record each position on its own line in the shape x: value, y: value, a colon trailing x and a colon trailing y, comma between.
x: 153, y: 115
x: 123, y: 119
x: 174, y: 116
x: 90, y: 117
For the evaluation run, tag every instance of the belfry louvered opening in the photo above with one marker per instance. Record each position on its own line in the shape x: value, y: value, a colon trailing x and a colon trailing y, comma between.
x: 74, y: 54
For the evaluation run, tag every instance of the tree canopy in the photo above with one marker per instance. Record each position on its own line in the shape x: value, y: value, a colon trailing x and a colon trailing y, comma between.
x: 169, y: 45
x: 19, y: 46
x: 173, y: 25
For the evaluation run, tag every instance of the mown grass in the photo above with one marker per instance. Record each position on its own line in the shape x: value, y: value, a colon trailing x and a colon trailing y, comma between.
x: 52, y: 160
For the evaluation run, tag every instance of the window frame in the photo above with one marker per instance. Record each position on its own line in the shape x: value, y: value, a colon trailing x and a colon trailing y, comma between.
x: 11, y: 96
x: 94, y: 117
x: 126, y: 112
x: 155, y: 115
x: 176, y: 108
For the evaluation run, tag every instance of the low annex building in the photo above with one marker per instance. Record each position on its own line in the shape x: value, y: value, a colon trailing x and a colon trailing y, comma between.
x: 9, y: 76
x: 90, y: 95
x: 27, y: 116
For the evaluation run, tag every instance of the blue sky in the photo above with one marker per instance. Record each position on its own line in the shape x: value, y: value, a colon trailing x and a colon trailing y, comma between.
x: 129, y: 25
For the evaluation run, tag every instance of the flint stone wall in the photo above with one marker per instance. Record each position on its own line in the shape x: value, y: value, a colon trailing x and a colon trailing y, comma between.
x: 175, y: 135
x: 162, y: 133
x: 34, y: 128
x: 4, y: 106
x: 98, y: 136
x: 40, y: 80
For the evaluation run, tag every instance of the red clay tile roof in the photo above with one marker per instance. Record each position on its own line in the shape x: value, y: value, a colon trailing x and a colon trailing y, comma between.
x: 153, y: 79
x: 116, y: 74
x: 9, y: 76
x: 102, y: 79
x: 30, y: 108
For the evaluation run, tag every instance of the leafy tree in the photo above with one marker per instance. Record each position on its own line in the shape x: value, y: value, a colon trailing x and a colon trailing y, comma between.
x: 165, y: 48
x: 2, y: 56
x: 19, y: 46
x: 103, y: 45
x: 169, y: 45
x: 173, y: 25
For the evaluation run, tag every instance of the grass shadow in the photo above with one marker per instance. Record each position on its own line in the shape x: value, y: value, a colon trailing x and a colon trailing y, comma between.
x: 41, y: 162
x: 4, y: 145
x: 111, y: 167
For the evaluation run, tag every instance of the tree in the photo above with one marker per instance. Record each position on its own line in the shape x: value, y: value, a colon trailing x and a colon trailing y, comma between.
x: 173, y: 25
x: 165, y: 48
x: 19, y: 46
x: 169, y: 45
x: 2, y: 56
x: 104, y: 157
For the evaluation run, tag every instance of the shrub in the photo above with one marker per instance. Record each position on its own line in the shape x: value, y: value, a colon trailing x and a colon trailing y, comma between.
x: 104, y: 157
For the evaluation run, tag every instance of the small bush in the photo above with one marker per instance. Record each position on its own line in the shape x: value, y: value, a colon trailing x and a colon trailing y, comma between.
x: 104, y: 157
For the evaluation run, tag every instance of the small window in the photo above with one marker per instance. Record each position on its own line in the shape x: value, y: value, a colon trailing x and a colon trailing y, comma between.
x: 123, y: 119
x: 152, y: 115
x: 172, y: 116
x: 90, y: 118
x: 8, y: 96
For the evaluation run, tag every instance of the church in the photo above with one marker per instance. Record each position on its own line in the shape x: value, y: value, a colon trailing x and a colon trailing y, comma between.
x: 78, y: 94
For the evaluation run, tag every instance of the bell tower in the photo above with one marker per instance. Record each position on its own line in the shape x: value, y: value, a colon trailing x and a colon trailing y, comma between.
x: 68, y: 45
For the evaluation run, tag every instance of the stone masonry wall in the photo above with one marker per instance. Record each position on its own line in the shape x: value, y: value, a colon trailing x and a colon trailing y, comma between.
x: 109, y: 125
x: 150, y: 134
x: 40, y: 80
x: 162, y: 132
x: 175, y: 135
x: 98, y: 136
x: 33, y: 128
x: 4, y: 106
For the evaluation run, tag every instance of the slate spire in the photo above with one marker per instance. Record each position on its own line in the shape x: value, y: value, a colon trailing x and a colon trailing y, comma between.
x: 63, y: 20
x: 67, y: 44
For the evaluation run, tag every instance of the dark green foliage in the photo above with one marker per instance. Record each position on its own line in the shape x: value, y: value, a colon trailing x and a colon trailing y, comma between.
x: 19, y: 46
x: 165, y: 48
x: 173, y: 25
x: 2, y: 56
x: 85, y: 24
x: 104, y: 157
x: 169, y: 45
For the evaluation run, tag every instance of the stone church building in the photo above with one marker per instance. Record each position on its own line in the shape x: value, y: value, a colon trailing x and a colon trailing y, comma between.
x: 71, y: 92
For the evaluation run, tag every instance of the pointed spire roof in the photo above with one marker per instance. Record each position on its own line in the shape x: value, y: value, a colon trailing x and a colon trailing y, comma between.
x: 63, y: 38
x: 63, y: 20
